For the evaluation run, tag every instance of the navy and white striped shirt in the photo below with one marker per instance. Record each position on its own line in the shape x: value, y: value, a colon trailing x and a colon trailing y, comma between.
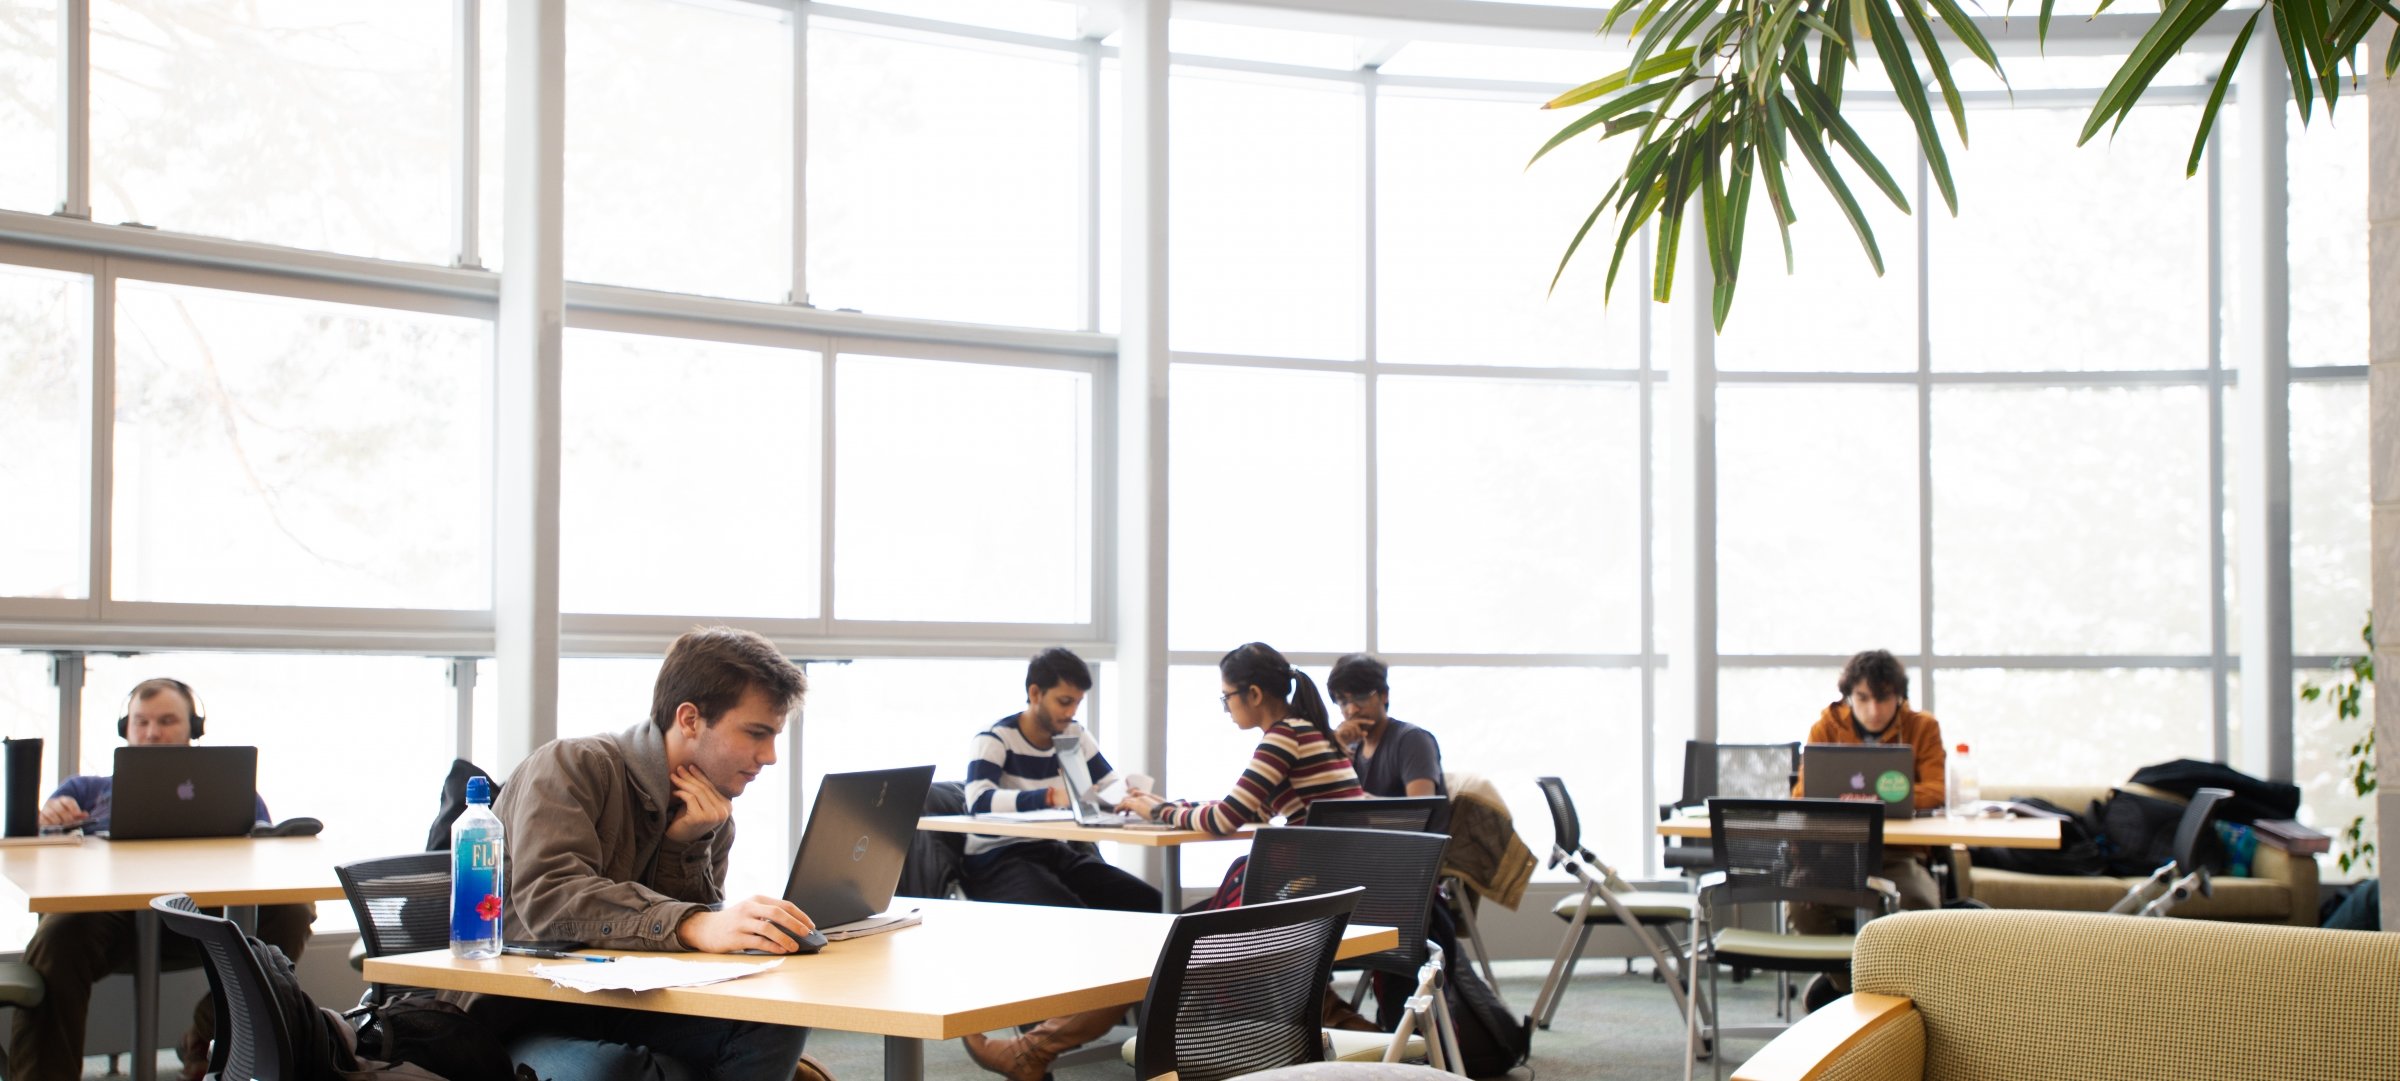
x: 1005, y: 772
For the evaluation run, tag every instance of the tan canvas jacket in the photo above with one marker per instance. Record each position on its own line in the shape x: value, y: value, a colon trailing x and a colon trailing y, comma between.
x: 588, y: 858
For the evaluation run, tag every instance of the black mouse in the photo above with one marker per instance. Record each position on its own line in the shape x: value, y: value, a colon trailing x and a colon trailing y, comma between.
x: 290, y: 827
x: 807, y: 943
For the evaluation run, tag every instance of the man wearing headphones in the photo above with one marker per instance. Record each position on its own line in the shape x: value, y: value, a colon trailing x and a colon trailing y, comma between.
x: 75, y: 950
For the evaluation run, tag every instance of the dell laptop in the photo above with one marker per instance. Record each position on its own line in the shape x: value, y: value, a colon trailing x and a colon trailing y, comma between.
x: 857, y: 838
x: 174, y: 792
x: 1885, y: 773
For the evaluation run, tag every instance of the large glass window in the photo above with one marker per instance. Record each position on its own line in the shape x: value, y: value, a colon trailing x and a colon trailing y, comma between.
x: 690, y: 477
x: 1817, y: 519
x: 29, y: 149
x: 2072, y: 258
x: 28, y: 701
x: 679, y: 147
x: 45, y: 413
x: 964, y: 492
x: 2070, y: 520
x: 945, y: 178
x: 342, y: 738
x: 1269, y: 512
x: 1467, y: 239
x: 277, y: 451
x: 1828, y: 310
x: 2332, y: 519
x: 2326, y: 222
x: 2044, y: 727
x: 1268, y: 215
x: 2321, y: 741
x: 1582, y: 725
x: 319, y: 124
x: 1506, y: 518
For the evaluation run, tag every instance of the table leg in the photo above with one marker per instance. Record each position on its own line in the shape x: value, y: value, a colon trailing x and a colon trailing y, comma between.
x: 1173, y: 856
x: 244, y: 917
x: 145, y: 994
x: 903, y: 1059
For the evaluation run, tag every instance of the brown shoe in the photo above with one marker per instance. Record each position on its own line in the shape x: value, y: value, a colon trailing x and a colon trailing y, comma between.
x: 192, y: 1051
x: 1011, y: 1058
x: 1337, y: 1014
x: 810, y: 1069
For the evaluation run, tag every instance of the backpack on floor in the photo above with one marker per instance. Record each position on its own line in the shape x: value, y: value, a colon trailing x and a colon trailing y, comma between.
x: 1491, y: 1040
x: 422, y: 1030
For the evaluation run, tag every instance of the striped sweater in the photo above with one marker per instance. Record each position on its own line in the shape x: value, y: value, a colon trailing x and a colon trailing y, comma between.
x: 1006, y: 772
x: 1295, y: 764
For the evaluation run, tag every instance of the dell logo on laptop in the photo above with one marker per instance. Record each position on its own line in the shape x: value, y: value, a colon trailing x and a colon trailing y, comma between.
x: 858, y: 851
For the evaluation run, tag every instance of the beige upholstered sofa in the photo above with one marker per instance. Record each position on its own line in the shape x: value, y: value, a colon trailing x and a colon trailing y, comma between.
x: 2282, y: 887
x: 1963, y: 995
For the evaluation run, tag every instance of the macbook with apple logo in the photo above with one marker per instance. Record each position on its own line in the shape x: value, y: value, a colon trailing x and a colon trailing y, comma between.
x: 174, y: 792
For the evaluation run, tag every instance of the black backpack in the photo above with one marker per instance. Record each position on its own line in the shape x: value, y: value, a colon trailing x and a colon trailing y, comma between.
x: 2078, y: 851
x: 2253, y: 799
x: 2137, y: 834
x: 1491, y: 1040
x: 320, y: 1040
x: 454, y: 802
x: 422, y: 1030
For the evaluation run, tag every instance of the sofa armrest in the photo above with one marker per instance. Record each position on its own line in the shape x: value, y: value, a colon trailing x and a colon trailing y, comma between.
x: 2298, y: 872
x: 1869, y: 1037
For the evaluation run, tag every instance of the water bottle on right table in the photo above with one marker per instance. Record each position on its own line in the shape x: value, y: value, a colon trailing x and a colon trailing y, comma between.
x: 477, y: 851
x: 1960, y: 792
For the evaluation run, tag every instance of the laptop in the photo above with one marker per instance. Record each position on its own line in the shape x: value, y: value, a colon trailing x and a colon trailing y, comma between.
x: 1883, y: 772
x: 1089, y: 807
x: 857, y: 838
x: 176, y: 792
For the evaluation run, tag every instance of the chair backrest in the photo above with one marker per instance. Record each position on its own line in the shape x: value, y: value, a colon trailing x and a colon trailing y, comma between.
x: 2192, y: 828
x: 1807, y: 850
x: 402, y: 902
x: 1736, y: 770
x: 1566, y: 830
x: 1397, y: 870
x: 1407, y: 814
x: 1239, y: 990
x: 252, y: 1038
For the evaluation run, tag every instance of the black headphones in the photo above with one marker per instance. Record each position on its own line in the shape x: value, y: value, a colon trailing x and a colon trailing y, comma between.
x: 189, y: 699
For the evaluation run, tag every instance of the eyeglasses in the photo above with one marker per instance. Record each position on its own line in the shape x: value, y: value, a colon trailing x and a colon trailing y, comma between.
x: 1226, y: 700
x: 1347, y: 701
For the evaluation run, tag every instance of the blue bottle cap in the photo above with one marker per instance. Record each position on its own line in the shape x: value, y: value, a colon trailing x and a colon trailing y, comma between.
x: 479, y: 790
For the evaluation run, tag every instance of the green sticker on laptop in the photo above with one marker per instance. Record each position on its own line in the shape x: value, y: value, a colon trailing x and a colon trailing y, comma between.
x: 1892, y: 785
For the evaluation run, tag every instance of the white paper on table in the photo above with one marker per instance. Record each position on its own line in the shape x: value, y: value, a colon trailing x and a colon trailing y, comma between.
x: 646, y: 973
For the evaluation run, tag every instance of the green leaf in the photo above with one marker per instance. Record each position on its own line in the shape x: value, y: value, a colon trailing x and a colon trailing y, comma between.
x: 2041, y: 29
x: 2168, y: 35
x: 1651, y: 198
x: 1661, y: 64
x: 1911, y: 89
x: 1823, y: 164
x: 2216, y: 96
x: 1970, y: 35
x: 1770, y: 164
x: 1820, y: 113
x: 2296, y: 63
x: 2391, y: 57
x: 1940, y: 65
x: 1657, y: 32
x: 1588, y: 219
x: 1601, y: 114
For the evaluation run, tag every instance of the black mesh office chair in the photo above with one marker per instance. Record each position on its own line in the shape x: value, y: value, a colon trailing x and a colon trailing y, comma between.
x: 402, y: 904
x: 1397, y: 871
x: 1651, y: 916
x: 252, y: 1040
x: 1786, y: 851
x: 1407, y: 814
x: 2186, y: 871
x: 1238, y: 990
x: 1731, y: 770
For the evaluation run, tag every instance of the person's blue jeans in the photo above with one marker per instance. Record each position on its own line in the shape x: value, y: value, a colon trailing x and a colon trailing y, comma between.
x: 603, y: 1043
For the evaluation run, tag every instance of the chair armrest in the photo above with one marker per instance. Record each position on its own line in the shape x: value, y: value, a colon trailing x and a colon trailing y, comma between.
x: 1890, y: 891
x: 1823, y: 1040
x: 2297, y: 871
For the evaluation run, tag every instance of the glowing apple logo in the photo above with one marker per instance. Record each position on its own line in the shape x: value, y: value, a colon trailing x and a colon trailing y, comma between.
x: 1858, y: 782
x: 184, y: 791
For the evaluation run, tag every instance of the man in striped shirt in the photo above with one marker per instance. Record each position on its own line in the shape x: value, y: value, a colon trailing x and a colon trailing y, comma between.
x: 1013, y: 766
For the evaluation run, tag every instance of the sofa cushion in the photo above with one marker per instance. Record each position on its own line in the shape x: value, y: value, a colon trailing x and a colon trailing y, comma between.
x: 2074, y: 996
x: 2258, y: 899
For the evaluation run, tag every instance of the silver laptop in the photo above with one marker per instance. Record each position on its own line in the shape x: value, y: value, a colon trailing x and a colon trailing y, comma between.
x: 174, y: 792
x: 857, y: 838
x: 1885, y: 773
x: 1082, y: 801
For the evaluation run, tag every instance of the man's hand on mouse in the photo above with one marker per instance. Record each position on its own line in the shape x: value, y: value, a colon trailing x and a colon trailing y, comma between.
x: 756, y: 923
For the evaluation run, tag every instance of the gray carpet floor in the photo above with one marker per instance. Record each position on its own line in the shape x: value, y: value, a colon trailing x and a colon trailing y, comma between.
x: 1611, y: 1026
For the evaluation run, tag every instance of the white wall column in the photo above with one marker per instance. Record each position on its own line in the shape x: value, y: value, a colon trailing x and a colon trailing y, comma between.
x: 1138, y: 701
x: 2257, y: 348
x: 527, y: 370
x: 2383, y: 427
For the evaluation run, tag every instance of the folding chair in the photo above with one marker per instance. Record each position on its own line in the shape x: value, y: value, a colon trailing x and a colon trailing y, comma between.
x: 2184, y: 873
x: 1606, y: 898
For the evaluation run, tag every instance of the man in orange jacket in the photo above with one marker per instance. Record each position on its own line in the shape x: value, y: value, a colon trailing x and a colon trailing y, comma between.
x: 1874, y: 709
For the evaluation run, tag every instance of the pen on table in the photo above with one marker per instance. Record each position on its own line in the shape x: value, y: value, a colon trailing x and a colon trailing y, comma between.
x: 554, y: 955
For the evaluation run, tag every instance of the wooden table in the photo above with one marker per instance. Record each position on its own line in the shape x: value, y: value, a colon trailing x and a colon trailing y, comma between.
x: 1169, y: 842
x: 1941, y: 832
x: 908, y: 986
x: 122, y: 876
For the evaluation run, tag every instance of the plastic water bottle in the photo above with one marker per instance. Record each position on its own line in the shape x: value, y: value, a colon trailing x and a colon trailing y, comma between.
x: 1960, y: 791
x: 476, y: 854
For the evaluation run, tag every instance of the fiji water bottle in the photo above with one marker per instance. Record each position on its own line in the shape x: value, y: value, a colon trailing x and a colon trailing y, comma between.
x: 476, y: 851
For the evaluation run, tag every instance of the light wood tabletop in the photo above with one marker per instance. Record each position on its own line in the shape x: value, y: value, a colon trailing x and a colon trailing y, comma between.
x: 122, y: 876
x: 917, y: 983
x: 1067, y: 829
x: 1942, y: 831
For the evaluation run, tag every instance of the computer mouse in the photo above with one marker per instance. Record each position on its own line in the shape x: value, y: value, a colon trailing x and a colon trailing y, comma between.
x: 290, y: 827
x: 807, y: 943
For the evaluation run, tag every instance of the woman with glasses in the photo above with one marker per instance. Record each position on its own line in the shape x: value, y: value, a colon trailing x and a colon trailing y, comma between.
x: 1297, y: 761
